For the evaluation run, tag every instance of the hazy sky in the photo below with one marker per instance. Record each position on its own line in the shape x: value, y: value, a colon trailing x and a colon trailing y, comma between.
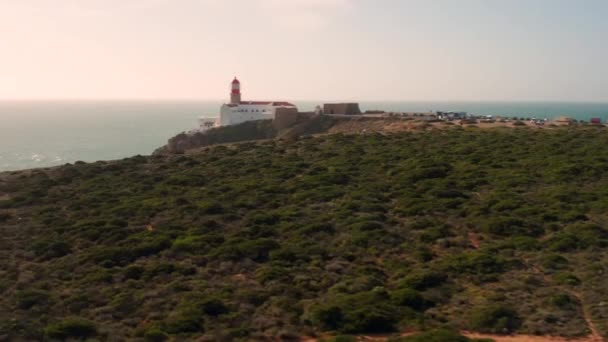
x: 305, y: 49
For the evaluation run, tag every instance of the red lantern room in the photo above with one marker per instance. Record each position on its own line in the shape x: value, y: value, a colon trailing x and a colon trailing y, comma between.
x: 235, y: 94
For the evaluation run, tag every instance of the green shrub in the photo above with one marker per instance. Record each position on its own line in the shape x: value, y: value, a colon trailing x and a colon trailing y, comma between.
x: 554, y: 261
x: 377, y: 319
x: 328, y: 317
x: 495, y: 318
x: 271, y: 272
x: 563, y: 243
x: 159, y: 269
x: 344, y: 338
x: 365, y: 312
x: 315, y: 228
x: 155, y: 335
x: 262, y: 218
x: 432, y: 234
x: 524, y: 243
x: 481, y: 262
x: 150, y: 246
x: 367, y: 226
x: 212, y: 306
x: 133, y: 272
x: 186, y: 320
x: 567, y: 279
x: 510, y: 226
x: 29, y: 298
x: 50, y: 248
x: 410, y: 298
x: 111, y: 256
x: 588, y: 235
x: 188, y: 244
x: 423, y: 279
x: 186, y: 180
x: 77, y: 328
x: 561, y: 301
x: 258, y: 249
x: 211, y: 208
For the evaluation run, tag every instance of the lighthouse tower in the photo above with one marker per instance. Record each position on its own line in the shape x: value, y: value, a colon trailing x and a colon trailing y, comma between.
x: 235, y: 93
x: 238, y: 111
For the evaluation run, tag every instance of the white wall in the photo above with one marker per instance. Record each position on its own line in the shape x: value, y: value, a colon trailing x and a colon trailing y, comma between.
x: 243, y: 113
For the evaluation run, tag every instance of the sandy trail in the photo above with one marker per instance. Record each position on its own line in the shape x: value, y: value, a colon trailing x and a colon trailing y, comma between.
x: 595, y: 333
x: 530, y: 338
x: 497, y: 338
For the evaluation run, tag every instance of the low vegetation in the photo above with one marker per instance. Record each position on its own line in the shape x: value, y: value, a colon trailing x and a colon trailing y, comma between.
x: 497, y: 231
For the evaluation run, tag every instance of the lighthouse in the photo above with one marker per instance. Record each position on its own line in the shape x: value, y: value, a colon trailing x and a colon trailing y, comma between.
x: 238, y: 111
x: 235, y: 93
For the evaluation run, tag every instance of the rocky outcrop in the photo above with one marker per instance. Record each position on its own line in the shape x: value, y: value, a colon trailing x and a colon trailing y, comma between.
x: 246, y: 131
x: 287, y: 125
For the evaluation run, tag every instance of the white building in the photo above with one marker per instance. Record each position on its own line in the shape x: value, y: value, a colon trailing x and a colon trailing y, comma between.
x: 238, y: 111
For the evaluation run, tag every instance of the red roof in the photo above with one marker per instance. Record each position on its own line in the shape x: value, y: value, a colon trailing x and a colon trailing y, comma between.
x: 266, y: 103
x: 256, y: 103
x: 235, y: 81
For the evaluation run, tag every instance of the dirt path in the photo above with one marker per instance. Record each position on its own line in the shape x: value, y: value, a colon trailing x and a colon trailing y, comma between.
x: 595, y: 333
x: 530, y: 338
x: 496, y: 338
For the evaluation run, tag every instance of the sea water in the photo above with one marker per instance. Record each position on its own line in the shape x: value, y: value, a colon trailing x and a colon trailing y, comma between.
x: 47, y: 133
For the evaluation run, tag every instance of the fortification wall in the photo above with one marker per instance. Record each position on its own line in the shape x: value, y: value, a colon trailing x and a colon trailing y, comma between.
x: 341, y: 108
x: 285, y: 117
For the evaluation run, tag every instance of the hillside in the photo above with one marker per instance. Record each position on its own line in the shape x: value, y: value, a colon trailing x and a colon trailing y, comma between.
x: 307, y: 124
x: 492, y: 231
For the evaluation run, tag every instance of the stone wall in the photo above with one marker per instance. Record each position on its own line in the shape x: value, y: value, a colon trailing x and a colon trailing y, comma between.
x: 285, y: 117
x: 288, y: 117
x: 341, y: 108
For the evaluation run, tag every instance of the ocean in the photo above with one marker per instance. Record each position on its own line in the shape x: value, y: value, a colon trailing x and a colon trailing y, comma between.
x: 47, y: 133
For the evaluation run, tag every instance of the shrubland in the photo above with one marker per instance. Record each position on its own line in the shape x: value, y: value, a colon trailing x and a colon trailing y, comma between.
x: 497, y: 231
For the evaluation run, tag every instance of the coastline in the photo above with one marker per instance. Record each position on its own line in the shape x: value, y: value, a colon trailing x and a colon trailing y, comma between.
x: 351, y: 125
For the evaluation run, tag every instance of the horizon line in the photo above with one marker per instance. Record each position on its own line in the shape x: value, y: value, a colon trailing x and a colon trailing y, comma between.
x: 321, y: 101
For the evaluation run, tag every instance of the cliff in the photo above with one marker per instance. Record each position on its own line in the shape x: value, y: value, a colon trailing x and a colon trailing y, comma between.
x: 287, y: 125
x: 290, y: 124
x: 251, y: 130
